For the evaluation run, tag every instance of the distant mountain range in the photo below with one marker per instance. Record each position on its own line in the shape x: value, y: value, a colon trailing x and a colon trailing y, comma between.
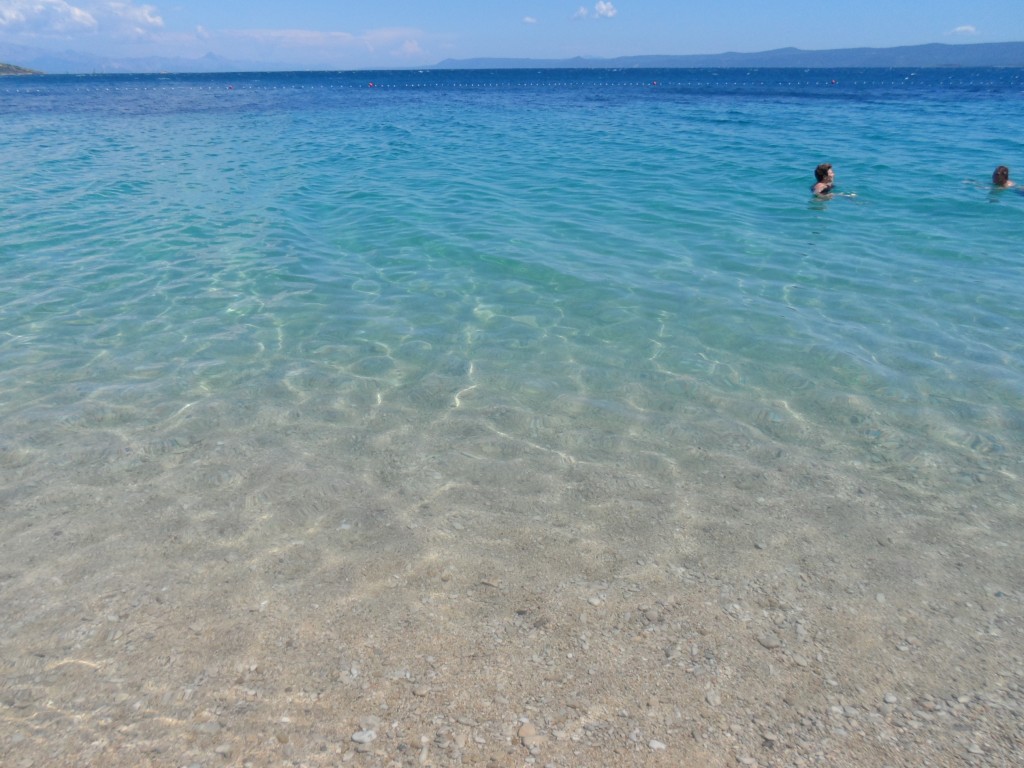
x: 932, y: 55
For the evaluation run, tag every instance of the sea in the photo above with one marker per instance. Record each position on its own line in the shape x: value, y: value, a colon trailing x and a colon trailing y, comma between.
x: 605, y: 266
x: 252, y: 314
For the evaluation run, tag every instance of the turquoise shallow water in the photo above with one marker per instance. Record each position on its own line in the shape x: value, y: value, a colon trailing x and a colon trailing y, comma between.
x: 609, y: 268
x: 467, y: 400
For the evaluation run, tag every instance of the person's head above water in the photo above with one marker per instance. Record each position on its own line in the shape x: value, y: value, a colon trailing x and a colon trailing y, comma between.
x: 825, y: 177
x: 1001, y: 177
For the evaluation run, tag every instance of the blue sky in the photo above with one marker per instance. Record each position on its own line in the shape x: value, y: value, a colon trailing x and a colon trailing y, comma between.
x: 346, y: 34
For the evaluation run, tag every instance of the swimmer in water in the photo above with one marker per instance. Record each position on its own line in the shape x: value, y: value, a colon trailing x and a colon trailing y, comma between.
x: 1001, y: 177
x: 825, y: 180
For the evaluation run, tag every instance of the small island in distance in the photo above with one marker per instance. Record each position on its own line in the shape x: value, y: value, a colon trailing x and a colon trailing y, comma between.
x: 10, y: 69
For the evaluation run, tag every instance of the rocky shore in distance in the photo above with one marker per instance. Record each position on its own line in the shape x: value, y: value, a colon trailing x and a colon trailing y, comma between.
x: 11, y: 69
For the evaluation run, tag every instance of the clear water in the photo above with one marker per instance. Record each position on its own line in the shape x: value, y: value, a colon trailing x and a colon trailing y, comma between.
x: 446, y: 279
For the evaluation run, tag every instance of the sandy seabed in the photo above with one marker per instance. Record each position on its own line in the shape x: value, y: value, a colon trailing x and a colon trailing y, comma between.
x: 404, y: 599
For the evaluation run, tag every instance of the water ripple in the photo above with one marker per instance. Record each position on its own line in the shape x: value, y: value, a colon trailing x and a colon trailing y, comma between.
x: 587, y: 270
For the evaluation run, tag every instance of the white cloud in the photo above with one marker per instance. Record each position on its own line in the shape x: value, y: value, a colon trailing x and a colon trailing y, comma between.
x: 292, y: 37
x: 409, y: 48
x: 59, y: 17
x: 529, y: 20
x: 393, y: 39
x: 43, y: 16
x: 139, y: 15
x: 397, y: 42
x: 602, y: 10
x: 966, y: 29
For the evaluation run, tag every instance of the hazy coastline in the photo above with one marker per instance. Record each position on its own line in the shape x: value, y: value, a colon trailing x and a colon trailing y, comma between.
x: 1007, y: 54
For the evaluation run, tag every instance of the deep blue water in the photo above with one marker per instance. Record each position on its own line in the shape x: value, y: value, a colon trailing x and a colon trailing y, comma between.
x: 606, y: 267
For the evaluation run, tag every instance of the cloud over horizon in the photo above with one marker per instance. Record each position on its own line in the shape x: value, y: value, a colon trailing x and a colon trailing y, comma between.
x: 137, y: 29
x: 381, y: 35
x: 58, y: 18
x: 397, y: 42
x: 601, y: 10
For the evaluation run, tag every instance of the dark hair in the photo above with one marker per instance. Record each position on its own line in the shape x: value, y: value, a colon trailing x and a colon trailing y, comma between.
x: 821, y: 172
x: 1000, y: 176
